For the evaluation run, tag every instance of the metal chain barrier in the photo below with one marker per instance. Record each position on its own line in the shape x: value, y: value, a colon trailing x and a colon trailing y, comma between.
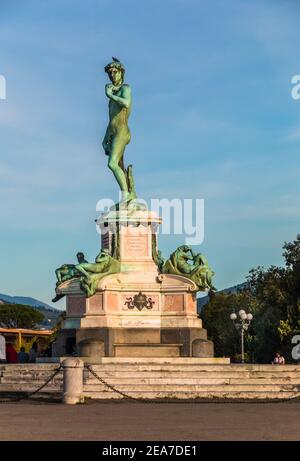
x: 149, y: 401
x: 30, y: 394
x: 126, y: 396
x: 198, y: 401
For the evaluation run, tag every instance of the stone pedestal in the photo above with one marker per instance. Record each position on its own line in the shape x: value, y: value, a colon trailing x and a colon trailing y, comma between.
x: 137, y: 312
x: 130, y: 238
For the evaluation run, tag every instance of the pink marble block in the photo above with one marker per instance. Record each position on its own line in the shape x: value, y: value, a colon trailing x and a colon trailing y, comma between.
x: 191, y: 304
x: 95, y: 304
x: 76, y: 305
x: 174, y: 303
x: 112, y: 302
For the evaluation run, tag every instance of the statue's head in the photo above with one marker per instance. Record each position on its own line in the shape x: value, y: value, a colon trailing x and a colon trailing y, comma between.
x: 115, y: 71
x: 80, y: 256
x: 184, y: 248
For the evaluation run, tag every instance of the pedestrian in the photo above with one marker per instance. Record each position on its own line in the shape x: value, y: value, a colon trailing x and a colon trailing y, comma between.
x: 48, y: 351
x: 23, y: 357
x: 278, y: 359
x: 33, y: 353
x: 2, y: 349
x: 11, y: 354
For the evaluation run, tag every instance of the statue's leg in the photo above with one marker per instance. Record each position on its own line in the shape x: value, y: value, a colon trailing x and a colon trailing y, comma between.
x: 118, y: 147
x: 87, y: 287
x: 81, y: 269
x: 209, y: 278
x: 94, y: 268
x: 121, y: 164
x: 84, y: 287
x: 57, y: 298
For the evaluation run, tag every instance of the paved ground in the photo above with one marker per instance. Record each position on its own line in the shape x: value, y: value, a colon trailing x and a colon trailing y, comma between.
x: 159, y: 422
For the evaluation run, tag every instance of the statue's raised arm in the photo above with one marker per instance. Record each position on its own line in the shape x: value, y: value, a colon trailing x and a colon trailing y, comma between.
x: 124, y: 97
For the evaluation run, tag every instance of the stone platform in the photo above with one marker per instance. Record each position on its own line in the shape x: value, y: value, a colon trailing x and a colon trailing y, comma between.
x: 190, y: 378
x: 160, y: 378
x: 27, y: 377
x: 137, y: 312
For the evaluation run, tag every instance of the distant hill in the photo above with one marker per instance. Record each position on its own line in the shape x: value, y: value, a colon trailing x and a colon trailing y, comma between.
x: 235, y: 289
x: 26, y: 300
x: 50, y: 313
x: 202, y: 301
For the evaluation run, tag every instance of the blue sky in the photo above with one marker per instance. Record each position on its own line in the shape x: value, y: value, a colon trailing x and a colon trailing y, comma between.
x: 212, y: 118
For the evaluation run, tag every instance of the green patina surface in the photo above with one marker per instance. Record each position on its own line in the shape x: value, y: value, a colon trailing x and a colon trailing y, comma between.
x: 117, y: 134
x: 192, y: 265
x: 92, y: 273
x: 183, y: 261
x: 89, y: 273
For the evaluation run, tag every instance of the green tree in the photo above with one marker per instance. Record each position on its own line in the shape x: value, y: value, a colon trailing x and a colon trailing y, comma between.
x: 273, y: 297
x: 292, y: 280
x: 58, y: 326
x: 221, y: 330
x: 19, y: 316
x: 277, y: 291
x: 269, y: 289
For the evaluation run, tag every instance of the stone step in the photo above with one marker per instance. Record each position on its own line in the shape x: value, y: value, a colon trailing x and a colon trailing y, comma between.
x: 30, y: 378
x: 28, y: 387
x: 162, y: 380
x: 186, y: 381
x: 216, y: 395
x: 28, y: 372
x: 151, y: 362
x: 28, y: 375
x: 35, y: 382
x: 157, y: 369
x: 29, y: 366
x: 167, y: 378
x: 147, y: 365
x: 165, y: 360
x: 190, y: 374
x: 194, y: 387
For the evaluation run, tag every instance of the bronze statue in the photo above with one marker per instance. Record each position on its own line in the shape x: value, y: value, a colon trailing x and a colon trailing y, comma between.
x: 183, y: 261
x: 92, y: 273
x: 117, y: 135
x: 191, y: 265
x: 69, y: 271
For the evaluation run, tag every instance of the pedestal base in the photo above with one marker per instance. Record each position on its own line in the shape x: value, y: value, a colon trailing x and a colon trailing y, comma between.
x: 96, y: 343
x: 137, y: 312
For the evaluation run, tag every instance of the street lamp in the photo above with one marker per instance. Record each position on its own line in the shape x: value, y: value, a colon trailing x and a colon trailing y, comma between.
x: 241, y: 324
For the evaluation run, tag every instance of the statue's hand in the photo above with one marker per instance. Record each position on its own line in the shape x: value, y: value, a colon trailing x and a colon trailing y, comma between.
x: 109, y: 90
